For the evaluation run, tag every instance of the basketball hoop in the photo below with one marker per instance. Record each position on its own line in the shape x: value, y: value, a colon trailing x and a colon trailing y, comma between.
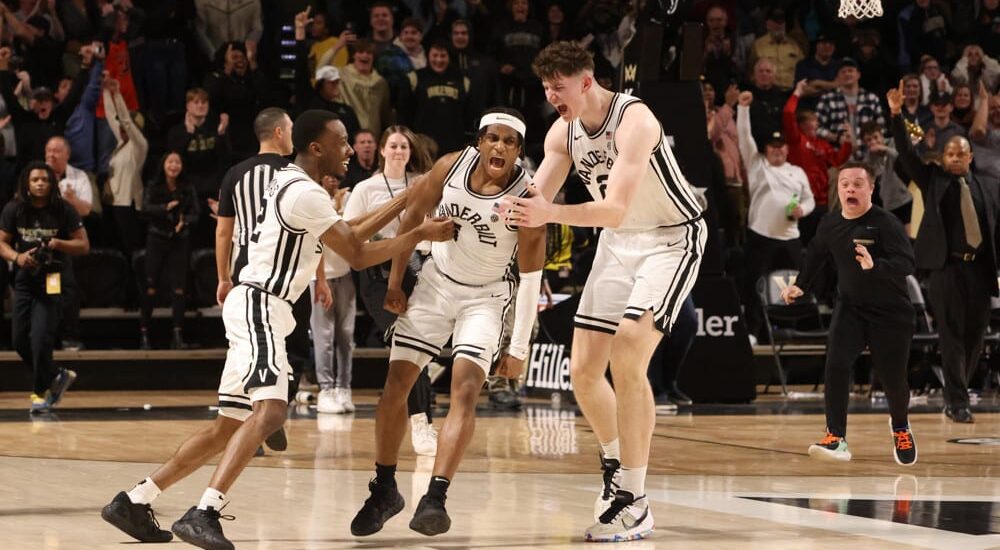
x: 860, y: 9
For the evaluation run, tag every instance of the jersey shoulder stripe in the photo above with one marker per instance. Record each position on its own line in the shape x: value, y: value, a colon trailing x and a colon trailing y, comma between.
x: 277, y: 206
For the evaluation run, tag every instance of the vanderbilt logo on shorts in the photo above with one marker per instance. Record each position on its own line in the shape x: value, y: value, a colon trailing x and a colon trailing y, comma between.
x: 261, y: 377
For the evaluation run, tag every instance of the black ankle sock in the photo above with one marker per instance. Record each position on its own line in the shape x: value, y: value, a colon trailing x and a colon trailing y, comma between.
x: 438, y: 487
x: 385, y: 474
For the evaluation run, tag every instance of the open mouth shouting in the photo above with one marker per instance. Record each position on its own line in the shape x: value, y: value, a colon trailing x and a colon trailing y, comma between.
x: 562, y: 109
x: 497, y: 162
x: 852, y: 201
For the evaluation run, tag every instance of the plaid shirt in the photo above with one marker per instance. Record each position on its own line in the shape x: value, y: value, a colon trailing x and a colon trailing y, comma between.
x: 832, y: 113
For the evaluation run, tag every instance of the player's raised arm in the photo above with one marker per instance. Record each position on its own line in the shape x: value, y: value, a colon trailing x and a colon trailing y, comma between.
x: 551, y: 174
x: 638, y: 134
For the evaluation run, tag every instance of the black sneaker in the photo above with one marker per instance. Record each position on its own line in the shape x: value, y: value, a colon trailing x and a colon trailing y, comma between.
x: 384, y: 503
x: 430, y: 518
x: 677, y: 397
x: 505, y: 399
x: 961, y: 415
x: 135, y: 520
x: 904, y: 449
x: 202, y: 529
x: 277, y: 441
x: 60, y: 384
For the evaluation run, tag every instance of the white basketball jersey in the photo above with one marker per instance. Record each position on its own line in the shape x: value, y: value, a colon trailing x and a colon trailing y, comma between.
x: 285, y: 247
x: 664, y: 197
x: 483, y: 247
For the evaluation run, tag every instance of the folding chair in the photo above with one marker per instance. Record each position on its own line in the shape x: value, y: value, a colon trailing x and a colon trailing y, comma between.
x: 784, y: 320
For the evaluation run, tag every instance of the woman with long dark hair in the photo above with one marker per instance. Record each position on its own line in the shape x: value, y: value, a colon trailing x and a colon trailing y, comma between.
x: 171, y: 207
x: 38, y: 229
x: 401, y: 158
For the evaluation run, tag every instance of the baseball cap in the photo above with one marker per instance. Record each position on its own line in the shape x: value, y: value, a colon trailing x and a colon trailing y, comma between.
x: 327, y: 72
x: 42, y: 94
x: 943, y: 98
x: 776, y: 139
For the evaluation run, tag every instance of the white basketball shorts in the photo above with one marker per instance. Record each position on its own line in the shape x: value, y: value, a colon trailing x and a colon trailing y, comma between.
x: 441, y: 308
x: 639, y: 271
x: 257, y: 367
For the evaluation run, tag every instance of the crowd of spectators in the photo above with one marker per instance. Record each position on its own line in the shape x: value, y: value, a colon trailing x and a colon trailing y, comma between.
x: 96, y: 88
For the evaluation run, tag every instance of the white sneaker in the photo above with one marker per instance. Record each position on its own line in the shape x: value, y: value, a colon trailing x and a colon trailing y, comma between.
x: 344, y: 397
x: 627, y: 518
x: 328, y: 402
x: 423, y: 435
x: 611, y: 471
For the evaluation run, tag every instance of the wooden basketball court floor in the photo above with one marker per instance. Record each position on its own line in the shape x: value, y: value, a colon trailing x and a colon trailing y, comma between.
x: 719, y: 477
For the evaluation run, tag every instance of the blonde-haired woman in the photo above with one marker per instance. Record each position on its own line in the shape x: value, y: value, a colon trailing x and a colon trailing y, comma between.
x: 401, y: 159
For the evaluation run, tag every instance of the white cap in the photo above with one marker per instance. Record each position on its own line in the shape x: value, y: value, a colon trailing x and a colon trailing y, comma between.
x: 327, y: 72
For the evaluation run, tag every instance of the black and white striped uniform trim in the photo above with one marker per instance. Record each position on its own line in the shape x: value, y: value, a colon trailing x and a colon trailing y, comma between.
x: 263, y: 370
x: 681, y: 283
x: 593, y: 323
x: 247, y: 200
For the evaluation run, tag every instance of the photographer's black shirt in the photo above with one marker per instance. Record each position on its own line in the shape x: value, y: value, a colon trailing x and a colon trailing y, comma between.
x: 878, y: 291
x: 34, y: 225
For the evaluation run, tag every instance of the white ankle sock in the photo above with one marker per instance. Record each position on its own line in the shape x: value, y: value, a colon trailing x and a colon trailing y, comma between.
x: 634, y: 481
x: 212, y: 498
x: 612, y: 449
x: 144, y: 492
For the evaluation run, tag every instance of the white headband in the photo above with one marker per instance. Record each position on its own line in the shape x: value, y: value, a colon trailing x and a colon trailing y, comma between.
x: 505, y: 119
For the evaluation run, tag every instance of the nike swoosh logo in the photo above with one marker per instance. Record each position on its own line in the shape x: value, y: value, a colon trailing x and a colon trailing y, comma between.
x: 637, y: 521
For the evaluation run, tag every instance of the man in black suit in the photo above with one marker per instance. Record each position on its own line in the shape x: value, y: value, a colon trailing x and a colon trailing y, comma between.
x: 956, y: 244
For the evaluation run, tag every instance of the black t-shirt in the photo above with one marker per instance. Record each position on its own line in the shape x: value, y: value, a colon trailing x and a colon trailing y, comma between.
x: 878, y: 291
x: 35, y: 224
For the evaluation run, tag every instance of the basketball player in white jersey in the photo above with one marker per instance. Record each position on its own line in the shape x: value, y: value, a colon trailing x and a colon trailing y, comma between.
x: 294, y: 222
x: 462, y: 293
x: 646, y: 264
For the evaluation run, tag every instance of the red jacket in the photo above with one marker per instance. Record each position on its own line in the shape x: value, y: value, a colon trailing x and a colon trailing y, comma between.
x: 813, y: 154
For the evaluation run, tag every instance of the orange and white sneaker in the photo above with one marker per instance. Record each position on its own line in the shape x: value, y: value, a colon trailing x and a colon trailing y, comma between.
x: 830, y: 449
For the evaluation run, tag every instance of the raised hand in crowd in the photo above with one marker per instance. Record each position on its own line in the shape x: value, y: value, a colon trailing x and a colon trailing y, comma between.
x: 745, y: 99
x: 302, y: 21
x: 895, y: 99
x: 5, y: 54
x: 223, y: 123
x: 189, y: 123
x: 846, y: 134
x: 251, y: 46
x: 173, y: 204
x: 227, y: 63
x: 800, y: 88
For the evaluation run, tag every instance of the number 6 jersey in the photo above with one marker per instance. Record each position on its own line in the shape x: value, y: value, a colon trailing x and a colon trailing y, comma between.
x: 664, y: 197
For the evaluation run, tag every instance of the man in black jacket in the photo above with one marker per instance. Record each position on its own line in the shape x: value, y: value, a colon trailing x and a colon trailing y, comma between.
x: 956, y: 244
x: 872, y: 256
x: 436, y: 101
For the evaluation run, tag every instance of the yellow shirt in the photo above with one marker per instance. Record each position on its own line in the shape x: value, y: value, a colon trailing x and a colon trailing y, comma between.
x: 321, y: 49
x: 786, y: 54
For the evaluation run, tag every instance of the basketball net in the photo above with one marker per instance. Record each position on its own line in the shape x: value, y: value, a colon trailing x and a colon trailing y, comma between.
x: 860, y: 9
